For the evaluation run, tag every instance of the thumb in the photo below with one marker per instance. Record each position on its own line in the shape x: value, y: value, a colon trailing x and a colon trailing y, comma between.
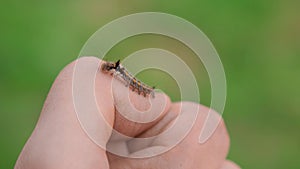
x: 59, y: 139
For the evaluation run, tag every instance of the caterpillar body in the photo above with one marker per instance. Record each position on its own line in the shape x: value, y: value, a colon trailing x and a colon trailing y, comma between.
x: 116, y: 69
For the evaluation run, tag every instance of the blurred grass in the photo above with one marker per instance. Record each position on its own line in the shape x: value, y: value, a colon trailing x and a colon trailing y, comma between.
x: 258, y: 42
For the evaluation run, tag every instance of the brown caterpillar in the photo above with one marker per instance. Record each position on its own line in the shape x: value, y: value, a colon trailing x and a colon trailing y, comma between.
x: 135, y: 85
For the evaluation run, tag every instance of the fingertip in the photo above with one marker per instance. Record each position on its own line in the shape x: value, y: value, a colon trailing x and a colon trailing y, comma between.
x: 136, y: 113
x: 164, y: 100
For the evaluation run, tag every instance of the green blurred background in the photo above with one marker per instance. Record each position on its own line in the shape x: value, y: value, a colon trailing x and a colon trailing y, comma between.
x: 258, y: 42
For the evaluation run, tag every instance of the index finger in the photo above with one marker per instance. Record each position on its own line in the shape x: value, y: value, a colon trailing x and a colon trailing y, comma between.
x: 135, y: 113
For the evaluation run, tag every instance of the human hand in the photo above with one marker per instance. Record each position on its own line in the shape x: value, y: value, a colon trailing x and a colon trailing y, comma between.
x: 60, y: 141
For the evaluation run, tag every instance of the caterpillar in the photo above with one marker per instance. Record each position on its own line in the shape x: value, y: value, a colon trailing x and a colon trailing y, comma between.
x: 116, y: 69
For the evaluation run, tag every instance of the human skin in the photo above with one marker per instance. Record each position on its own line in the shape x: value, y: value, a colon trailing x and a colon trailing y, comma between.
x: 60, y: 141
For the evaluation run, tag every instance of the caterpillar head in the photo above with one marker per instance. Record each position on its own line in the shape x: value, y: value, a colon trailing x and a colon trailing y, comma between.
x: 108, y: 66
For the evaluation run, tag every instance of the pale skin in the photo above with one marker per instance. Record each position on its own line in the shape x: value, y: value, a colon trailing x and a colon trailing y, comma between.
x: 59, y: 141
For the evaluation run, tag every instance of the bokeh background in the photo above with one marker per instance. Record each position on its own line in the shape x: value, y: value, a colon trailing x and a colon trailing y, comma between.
x: 258, y: 42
